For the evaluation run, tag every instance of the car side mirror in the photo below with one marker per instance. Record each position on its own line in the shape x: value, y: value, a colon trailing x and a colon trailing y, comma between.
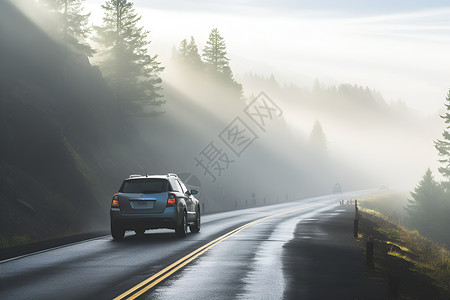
x: 193, y: 192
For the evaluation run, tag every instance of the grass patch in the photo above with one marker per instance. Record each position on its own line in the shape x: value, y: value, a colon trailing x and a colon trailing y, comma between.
x: 404, y: 249
x: 372, y: 212
x: 392, y: 234
x: 388, y: 204
x: 18, y: 240
x: 425, y: 258
x: 399, y: 255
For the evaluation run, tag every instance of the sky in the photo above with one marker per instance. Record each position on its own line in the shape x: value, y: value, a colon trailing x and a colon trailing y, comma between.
x: 399, y: 48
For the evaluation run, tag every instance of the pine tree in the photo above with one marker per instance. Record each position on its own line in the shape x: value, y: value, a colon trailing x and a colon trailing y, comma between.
x: 215, y: 53
x: 318, y: 139
x: 425, y: 209
x: 187, y: 53
x: 217, y: 63
x: 193, y: 56
x: 74, y: 29
x: 182, y: 52
x: 317, y: 88
x: 124, y: 59
x: 443, y: 146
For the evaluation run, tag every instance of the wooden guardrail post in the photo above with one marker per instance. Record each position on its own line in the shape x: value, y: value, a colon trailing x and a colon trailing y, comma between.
x: 369, y: 255
x: 356, y: 221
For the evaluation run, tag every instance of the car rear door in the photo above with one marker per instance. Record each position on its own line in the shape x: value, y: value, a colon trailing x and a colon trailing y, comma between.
x: 144, y: 196
x: 133, y: 203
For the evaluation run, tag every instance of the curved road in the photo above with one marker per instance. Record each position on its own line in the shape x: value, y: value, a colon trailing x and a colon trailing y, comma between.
x: 236, y: 255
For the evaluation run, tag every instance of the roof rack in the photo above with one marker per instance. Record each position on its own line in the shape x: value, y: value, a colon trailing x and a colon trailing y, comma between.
x: 134, y: 175
x: 172, y: 175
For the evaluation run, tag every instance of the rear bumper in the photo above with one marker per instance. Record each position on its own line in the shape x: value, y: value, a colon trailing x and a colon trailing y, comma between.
x: 167, y: 219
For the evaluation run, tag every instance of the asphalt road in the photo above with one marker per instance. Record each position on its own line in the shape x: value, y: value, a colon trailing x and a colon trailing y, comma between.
x: 236, y: 255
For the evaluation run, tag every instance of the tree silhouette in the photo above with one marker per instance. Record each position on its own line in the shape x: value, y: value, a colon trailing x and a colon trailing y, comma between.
x: 217, y: 63
x: 318, y: 139
x: 74, y: 28
x: 182, y: 51
x: 426, y: 210
x: 193, y: 56
x: 124, y: 59
x: 188, y: 53
x: 214, y: 53
x: 443, y: 146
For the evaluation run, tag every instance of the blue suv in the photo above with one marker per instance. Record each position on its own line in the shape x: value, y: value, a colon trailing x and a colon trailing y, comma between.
x: 152, y: 202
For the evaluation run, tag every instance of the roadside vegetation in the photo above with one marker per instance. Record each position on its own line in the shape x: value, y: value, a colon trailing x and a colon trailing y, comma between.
x: 410, y: 233
x: 419, y: 264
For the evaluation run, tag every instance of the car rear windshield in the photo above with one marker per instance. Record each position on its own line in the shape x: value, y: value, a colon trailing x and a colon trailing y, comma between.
x: 145, y: 186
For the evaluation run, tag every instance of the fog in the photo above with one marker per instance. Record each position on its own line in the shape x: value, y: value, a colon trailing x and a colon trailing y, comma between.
x: 374, y: 80
x: 364, y: 44
x: 398, y: 53
x: 367, y: 145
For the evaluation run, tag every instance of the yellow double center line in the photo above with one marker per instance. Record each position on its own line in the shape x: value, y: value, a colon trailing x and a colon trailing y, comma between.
x: 150, y: 282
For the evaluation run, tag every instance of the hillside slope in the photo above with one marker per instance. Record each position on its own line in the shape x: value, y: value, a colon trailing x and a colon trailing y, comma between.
x: 64, y: 148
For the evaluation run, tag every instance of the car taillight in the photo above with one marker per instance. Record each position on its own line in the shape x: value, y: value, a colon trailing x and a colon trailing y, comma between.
x: 115, y: 201
x: 171, y: 199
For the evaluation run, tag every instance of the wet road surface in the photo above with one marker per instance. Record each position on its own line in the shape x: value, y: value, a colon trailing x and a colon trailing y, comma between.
x: 245, y: 265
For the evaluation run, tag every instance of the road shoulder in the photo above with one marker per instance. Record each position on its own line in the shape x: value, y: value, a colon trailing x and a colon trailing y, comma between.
x: 325, y: 261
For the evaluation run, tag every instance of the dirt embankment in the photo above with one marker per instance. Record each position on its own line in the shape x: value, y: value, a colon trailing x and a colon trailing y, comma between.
x: 413, y: 266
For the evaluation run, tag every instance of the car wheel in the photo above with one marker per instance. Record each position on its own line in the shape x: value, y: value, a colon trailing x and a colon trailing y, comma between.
x: 117, y: 232
x: 196, y: 226
x: 181, y: 230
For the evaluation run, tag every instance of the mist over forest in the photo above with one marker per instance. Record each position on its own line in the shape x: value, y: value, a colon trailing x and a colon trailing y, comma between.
x: 83, y: 108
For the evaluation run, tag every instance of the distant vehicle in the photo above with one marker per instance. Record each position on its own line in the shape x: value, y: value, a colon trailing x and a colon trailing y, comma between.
x: 151, y: 202
x: 337, y: 189
x: 384, y: 187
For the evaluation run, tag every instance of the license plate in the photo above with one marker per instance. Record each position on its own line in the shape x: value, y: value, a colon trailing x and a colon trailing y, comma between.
x: 142, y: 204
